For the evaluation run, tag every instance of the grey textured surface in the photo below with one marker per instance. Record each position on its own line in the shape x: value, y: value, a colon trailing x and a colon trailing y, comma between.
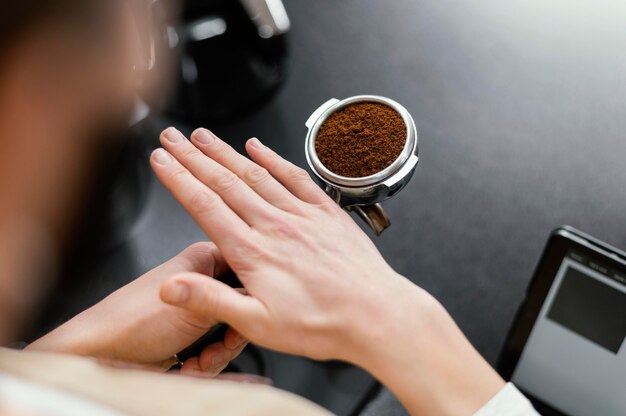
x: 520, y: 110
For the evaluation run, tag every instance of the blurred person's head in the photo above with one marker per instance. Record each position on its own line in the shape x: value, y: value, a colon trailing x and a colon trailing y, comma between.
x: 66, y: 84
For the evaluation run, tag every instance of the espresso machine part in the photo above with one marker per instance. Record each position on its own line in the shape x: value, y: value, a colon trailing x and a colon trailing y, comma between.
x: 232, y: 57
x: 363, y: 195
x: 269, y: 16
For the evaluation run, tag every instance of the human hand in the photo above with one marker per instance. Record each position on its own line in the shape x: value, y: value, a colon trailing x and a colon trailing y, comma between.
x: 317, y: 285
x: 132, y: 325
x: 308, y: 268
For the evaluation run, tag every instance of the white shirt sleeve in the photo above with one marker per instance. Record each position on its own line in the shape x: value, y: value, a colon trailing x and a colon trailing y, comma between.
x: 508, y: 402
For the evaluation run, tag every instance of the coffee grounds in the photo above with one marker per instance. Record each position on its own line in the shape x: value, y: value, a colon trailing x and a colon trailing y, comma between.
x: 360, y: 139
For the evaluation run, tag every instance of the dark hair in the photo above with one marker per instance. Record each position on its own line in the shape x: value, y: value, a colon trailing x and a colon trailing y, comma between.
x: 18, y: 17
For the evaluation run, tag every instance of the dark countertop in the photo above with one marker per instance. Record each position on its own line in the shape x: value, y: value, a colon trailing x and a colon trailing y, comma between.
x: 520, y: 111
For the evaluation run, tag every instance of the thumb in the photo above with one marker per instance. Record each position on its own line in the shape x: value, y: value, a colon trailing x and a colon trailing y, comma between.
x: 210, y: 298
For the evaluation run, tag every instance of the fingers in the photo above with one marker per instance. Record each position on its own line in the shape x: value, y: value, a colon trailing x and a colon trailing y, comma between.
x: 191, y: 368
x: 220, y: 266
x: 233, y: 340
x: 204, y: 257
x: 210, y: 297
x: 213, y: 359
x: 228, y: 185
x: 295, y: 179
x: 220, y: 223
x: 253, y: 175
x: 216, y: 357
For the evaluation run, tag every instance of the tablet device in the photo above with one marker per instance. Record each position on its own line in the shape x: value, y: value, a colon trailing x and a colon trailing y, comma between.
x: 566, y: 348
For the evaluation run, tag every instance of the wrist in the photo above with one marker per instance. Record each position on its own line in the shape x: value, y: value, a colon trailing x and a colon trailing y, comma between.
x: 387, y: 318
x: 413, y: 346
x: 74, y: 337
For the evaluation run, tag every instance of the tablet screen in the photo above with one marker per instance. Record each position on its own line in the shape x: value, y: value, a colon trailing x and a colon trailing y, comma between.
x: 575, y: 356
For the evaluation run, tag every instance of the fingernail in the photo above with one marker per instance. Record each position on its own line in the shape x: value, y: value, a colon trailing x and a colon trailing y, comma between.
x: 161, y: 157
x: 239, y: 341
x: 256, y: 143
x: 204, y: 136
x: 178, y: 292
x: 172, y: 135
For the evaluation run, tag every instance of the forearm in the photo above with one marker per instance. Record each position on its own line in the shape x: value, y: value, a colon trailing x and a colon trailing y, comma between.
x: 420, y: 354
x: 73, y: 337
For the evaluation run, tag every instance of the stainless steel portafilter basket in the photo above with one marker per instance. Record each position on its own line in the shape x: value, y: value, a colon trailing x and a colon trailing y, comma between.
x: 363, y: 195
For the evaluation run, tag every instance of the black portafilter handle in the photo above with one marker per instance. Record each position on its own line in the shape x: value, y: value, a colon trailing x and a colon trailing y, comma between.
x: 215, y: 334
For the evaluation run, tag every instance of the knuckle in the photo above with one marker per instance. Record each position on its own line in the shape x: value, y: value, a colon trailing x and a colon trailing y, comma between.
x: 255, y: 174
x: 225, y: 181
x: 197, y: 256
x: 203, y: 203
x: 214, y: 299
x: 299, y: 174
x: 205, y: 299
x: 285, y: 229
x: 179, y: 174
x: 273, y: 159
x: 316, y: 324
x: 218, y: 146
x: 331, y: 207
x: 190, y: 152
x: 200, y: 246
x: 252, y: 248
x: 247, y: 254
